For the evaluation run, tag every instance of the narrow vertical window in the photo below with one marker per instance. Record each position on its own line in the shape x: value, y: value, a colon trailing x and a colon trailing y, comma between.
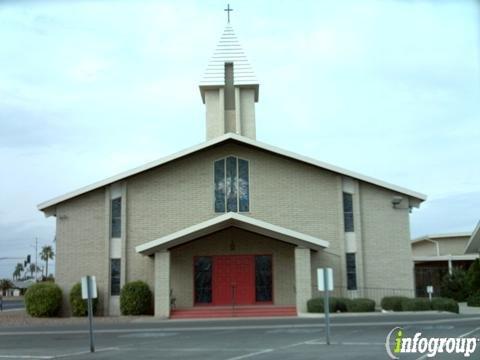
x: 232, y: 184
x: 220, y: 185
x: 263, y: 278
x: 116, y: 230
x: 348, y: 212
x: 351, y: 272
x: 243, y: 191
x: 203, y: 280
x: 114, y: 277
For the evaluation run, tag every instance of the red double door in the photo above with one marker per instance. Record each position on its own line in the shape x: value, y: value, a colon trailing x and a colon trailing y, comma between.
x: 233, y: 280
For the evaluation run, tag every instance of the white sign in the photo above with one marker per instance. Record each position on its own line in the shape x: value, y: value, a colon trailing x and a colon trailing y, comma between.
x: 430, y: 289
x: 93, y: 287
x: 320, y: 282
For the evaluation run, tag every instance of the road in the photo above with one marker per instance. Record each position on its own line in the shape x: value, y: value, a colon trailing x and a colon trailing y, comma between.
x: 359, y: 337
x: 13, y: 304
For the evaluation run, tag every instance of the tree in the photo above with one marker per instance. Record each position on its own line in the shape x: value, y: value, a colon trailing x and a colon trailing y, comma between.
x: 454, y: 285
x: 47, y: 254
x: 33, y: 269
x: 5, y: 284
x: 473, y: 277
x: 17, y: 273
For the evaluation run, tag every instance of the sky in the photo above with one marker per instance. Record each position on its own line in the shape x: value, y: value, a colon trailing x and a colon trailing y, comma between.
x: 88, y: 89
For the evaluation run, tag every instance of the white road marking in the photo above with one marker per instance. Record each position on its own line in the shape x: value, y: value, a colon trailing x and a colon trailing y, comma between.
x: 233, y: 327
x: 54, y: 356
x: 251, y: 354
x: 24, y: 357
x: 460, y: 336
x: 347, y: 343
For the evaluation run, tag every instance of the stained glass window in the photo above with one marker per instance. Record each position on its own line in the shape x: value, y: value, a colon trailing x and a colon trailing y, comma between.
x: 348, y: 212
x: 263, y: 278
x: 231, y: 185
x: 116, y: 230
x: 203, y: 279
x: 220, y: 185
x: 351, y: 272
x: 114, y: 276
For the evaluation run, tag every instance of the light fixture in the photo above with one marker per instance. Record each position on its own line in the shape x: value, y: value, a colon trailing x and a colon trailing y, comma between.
x: 396, y: 200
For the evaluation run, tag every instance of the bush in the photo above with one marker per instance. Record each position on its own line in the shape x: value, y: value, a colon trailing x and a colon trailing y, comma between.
x: 78, y: 305
x: 454, y: 286
x: 361, y: 305
x: 473, y: 277
x: 342, y: 304
x: 392, y: 303
x: 474, y: 299
x: 336, y: 304
x: 43, y: 300
x: 135, y: 298
x: 444, y: 304
x: 416, y: 304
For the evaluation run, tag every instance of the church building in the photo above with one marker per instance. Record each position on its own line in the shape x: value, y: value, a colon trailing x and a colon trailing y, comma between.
x: 232, y: 222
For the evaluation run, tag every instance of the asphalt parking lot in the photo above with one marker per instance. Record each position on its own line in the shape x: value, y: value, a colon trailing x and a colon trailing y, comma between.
x: 359, y: 337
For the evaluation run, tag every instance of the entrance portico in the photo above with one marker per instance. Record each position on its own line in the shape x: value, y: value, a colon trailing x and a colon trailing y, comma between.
x: 232, y: 260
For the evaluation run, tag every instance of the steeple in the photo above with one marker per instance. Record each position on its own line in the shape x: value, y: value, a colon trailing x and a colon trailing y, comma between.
x: 229, y: 89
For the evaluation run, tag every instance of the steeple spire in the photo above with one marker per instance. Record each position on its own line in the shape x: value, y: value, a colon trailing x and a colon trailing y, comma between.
x: 229, y: 89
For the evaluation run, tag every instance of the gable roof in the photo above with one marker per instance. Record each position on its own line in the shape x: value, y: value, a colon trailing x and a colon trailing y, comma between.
x: 227, y: 220
x: 222, y: 139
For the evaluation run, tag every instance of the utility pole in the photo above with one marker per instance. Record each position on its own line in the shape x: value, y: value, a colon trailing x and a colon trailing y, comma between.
x: 36, y: 258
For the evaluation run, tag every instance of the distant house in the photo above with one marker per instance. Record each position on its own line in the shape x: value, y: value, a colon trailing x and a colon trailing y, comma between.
x: 436, y: 255
x: 19, y: 287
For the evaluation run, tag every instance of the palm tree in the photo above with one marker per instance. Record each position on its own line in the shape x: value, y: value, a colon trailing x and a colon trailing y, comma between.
x: 5, y: 284
x: 32, y: 268
x: 46, y: 254
x: 18, y: 271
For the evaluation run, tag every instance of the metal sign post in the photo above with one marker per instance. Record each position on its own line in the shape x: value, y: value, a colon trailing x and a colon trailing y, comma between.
x: 325, y: 284
x: 430, y: 292
x: 89, y: 292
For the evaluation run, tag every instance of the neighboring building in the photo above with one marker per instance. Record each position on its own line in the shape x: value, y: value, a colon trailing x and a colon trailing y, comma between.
x: 437, y: 255
x: 233, y: 220
x: 473, y: 245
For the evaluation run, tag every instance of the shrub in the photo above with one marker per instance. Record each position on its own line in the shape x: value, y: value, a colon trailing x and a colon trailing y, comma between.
x: 135, y: 298
x: 78, y: 305
x: 416, y: 304
x: 444, y: 304
x: 473, y: 277
x: 454, y: 286
x: 342, y: 304
x: 361, y: 305
x: 335, y: 304
x: 474, y: 299
x: 43, y: 300
x: 392, y: 303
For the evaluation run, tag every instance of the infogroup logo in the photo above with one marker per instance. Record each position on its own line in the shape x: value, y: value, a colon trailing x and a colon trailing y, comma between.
x: 430, y: 346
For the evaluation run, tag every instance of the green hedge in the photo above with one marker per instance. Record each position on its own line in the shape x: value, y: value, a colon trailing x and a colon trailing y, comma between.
x: 336, y: 304
x: 43, y: 300
x: 78, y: 305
x: 392, y: 303
x: 416, y: 304
x: 474, y: 300
x: 444, y: 304
x: 361, y: 305
x: 135, y: 298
